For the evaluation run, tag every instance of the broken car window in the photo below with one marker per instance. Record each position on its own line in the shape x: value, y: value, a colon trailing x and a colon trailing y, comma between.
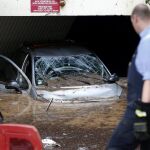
x: 47, y: 67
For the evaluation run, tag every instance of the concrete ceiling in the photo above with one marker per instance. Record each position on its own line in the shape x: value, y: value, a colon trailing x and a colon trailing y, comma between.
x: 16, y: 30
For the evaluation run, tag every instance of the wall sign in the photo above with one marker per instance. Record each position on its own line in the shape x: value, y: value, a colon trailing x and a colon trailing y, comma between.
x: 45, y: 6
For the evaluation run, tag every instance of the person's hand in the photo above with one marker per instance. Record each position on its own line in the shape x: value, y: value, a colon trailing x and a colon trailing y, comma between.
x: 142, y: 121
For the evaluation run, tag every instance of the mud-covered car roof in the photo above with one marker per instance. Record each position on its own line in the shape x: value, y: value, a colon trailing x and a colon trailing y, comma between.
x: 59, y: 51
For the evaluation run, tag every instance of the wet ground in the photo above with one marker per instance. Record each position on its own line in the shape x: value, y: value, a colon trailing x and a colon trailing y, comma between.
x: 86, y: 126
x: 81, y: 128
x: 75, y: 126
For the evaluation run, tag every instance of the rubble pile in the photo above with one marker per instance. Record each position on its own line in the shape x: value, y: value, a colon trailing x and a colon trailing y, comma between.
x: 72, y: 80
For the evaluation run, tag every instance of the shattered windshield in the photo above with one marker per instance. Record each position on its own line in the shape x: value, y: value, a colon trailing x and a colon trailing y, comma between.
x: 47, y: 67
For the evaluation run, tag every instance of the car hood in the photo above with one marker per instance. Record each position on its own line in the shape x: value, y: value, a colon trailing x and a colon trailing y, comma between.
x: 83, y: 93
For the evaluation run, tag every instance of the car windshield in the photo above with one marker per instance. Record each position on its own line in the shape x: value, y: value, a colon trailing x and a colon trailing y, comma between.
x: 47, y: 67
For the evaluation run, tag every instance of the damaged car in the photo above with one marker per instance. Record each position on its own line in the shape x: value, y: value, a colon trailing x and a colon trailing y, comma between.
x: 68, y: 73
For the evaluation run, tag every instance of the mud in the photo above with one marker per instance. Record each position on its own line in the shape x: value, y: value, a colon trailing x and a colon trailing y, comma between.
x: 80, y: 80
x: 86, y: 128
x: 75, y: 126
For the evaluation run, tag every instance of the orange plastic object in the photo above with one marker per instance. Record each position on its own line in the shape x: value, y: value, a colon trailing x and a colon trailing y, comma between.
x: 19, y: 137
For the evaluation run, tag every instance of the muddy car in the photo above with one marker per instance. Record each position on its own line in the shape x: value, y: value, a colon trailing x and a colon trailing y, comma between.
x: 68, y: 73
x: 58, y: 74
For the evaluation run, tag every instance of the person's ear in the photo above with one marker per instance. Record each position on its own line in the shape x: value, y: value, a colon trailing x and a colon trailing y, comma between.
x: 136, y: 19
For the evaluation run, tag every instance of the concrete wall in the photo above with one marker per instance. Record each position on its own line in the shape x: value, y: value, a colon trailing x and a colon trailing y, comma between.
x: 72, y: 7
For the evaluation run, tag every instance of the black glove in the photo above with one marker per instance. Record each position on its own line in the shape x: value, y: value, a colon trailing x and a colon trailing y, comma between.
x: 142, y: 121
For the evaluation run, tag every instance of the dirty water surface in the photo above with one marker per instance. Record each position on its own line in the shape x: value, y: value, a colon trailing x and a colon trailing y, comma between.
x: 75, y: 126
x: 82, y: 128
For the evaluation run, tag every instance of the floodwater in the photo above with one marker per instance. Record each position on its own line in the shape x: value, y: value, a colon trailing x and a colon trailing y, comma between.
x: 75, y: 126
x: 84, y: 126
x: 81, y: 128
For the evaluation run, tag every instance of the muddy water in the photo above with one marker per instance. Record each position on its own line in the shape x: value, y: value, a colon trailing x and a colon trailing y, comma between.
x: 75, y: 126
x: 83, y: 127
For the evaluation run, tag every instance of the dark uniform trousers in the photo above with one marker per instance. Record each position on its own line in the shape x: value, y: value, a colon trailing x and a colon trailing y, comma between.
x: 123, y: 136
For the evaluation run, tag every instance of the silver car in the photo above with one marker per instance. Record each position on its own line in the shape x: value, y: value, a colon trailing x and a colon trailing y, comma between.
x: 68, y: 73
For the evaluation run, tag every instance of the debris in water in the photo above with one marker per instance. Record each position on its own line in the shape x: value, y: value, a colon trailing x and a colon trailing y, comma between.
x: 48, y: 143
x: 83, y: 148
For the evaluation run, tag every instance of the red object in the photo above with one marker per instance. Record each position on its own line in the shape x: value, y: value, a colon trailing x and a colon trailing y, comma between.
x: 45, y: 6
x: 19, y: 137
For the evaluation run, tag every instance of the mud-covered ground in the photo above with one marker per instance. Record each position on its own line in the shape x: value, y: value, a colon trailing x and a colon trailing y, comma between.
x: 86, y: 126
x: 81, y: 127
x: 75, y: 126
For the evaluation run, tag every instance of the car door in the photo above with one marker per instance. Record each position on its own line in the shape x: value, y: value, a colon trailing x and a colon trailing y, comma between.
x: 13, y: 104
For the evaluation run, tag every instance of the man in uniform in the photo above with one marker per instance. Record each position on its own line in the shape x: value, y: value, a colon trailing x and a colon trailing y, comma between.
x: 134, y: 128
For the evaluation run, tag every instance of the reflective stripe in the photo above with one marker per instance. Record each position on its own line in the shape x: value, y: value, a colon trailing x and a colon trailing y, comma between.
x: 140, y: 113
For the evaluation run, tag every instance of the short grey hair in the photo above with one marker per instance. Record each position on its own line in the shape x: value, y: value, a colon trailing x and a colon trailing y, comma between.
x: 142, y: 11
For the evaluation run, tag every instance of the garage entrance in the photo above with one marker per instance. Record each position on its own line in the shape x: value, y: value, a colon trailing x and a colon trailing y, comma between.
x: 111, y: 37
x: 74, y: 126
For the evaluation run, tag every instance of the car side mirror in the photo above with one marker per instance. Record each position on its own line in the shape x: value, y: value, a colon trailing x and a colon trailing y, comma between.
x: 13, y: 85
x: 113, y: 78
